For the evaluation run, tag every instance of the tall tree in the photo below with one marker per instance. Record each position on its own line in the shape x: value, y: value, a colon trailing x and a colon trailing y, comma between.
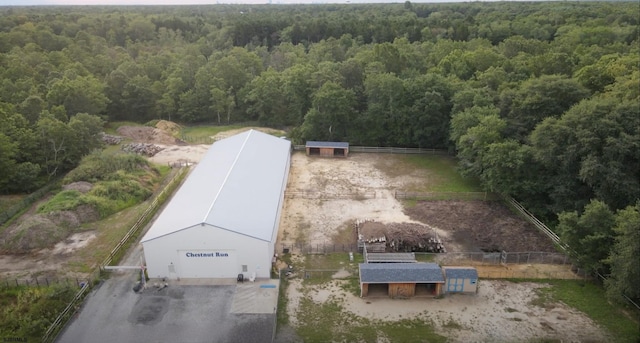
x: 78, y: 94
x: 331, y: 114
x: 589, y: 234
x: 625, y: 254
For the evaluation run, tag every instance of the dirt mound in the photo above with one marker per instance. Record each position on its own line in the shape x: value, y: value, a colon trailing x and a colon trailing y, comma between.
x: 35, y: 232
x: 169, y: 126
x: 481, y: 225
x: 146, y: 134
x: 40, y: 231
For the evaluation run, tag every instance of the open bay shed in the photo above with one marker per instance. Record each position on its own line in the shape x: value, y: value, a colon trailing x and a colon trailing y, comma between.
x: 223, y: 220
x: 461, y: 279
x: 401, y: 279
x: 327, y: 149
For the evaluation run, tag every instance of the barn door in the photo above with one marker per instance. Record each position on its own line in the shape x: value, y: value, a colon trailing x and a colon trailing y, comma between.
x: 455, y: 285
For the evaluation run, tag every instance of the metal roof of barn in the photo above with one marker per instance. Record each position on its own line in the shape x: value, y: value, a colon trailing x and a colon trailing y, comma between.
x: 401, y: 273
x: 399, y: 257
x: 461, y: 272
x: 315, y: 144
x: 237, y: 186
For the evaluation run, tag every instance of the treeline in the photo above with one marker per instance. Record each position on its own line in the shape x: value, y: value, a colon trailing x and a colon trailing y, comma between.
x: 538, y: 100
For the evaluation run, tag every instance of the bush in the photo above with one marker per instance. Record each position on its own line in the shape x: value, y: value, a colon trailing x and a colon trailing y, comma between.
x: 65, y: 200
x: 98, y: 165
x: 27, y: 312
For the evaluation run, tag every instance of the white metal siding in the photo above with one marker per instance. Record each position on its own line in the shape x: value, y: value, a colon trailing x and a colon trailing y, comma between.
x: 160, y: 253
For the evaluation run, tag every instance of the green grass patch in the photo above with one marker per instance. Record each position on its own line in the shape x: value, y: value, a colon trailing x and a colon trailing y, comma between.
x: 203, y: 133
x: 8, y: 201
x: 590, y: 298
x: 328, y: 322
x: 444, y: 174
x: 111, y: 127
x: 352, y: 285
x: 438, y: 172
x: 207, y: 131
x: 332, y: 261
x: 425, y: 257
x: 27, y: 312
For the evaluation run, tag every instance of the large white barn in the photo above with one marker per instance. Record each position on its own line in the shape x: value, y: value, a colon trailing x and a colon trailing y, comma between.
x: 223, y: 221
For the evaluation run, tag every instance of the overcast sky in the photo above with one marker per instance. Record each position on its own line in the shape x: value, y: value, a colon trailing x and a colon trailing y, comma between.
x: 149, y: 2
x: 103, y: 2
x: 185, y: 2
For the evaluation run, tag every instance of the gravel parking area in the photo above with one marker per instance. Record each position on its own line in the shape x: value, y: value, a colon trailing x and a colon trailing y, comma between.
x: 113, y: 312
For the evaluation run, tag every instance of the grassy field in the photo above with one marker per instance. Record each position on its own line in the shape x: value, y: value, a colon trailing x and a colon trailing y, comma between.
x: 207, y: 131
x: 444, y: 175
x: 590, y: 298
x: 203, y: 134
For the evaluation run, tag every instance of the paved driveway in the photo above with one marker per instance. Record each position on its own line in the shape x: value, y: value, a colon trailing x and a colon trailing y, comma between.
x: 181, y: 312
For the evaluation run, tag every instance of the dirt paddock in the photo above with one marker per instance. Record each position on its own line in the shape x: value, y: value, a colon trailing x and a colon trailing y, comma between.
x: 500, y: 312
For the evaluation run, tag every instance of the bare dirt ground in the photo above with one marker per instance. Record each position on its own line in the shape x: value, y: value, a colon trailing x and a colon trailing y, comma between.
x: 501, y: 311
x: 362, y: 187
x: 327, y: 195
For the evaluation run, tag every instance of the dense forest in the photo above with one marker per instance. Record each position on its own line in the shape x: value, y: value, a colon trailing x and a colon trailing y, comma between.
x: 537, y: 100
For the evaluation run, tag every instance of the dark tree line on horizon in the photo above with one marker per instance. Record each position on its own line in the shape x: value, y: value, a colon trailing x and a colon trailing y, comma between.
x: 537, y: 100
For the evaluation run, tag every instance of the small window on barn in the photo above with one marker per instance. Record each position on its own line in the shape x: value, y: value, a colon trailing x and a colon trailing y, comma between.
x: 244, y: 268
x: 314, y: 151
x: 473, y: 282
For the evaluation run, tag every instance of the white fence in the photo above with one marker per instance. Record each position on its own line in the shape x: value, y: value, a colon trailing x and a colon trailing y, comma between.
x: 537, y: 223
x: 388, y: 150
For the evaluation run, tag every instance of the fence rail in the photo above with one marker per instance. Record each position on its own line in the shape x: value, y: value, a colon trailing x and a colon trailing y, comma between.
x: 49, y: 335
x: 41, y: 282
x: 317, y: 248
x: 146, y: 215
x: 53, y: 330
x: 387, y: 150
x: 26, y: 202
x: 497, y: 258
x: 445, y: 195
x: 448, y: 258
x: 306, y: 194
x: 535, y: 221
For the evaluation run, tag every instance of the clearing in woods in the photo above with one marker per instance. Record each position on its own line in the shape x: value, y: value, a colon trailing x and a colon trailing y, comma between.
x: 326, y: 196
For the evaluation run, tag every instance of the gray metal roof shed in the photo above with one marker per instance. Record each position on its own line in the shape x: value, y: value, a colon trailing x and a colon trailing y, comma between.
x: 317, y: 144
x: 401, y: 273
x: 327, y: 149
x: 240, y: 174
x: 398, y: 257
x: 461, y: 272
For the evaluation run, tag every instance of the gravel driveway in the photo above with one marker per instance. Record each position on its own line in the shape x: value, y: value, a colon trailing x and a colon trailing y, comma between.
x: 113, y: 312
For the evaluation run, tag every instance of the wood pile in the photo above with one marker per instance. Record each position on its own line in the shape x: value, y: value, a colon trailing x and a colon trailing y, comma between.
x: 397, y: 237
x: 372, y: 234
x: 111, y: 139
x: 412, y: 237
x: 146, y: 149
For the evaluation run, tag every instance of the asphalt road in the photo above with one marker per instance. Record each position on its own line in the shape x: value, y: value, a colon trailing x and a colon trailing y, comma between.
x: 113, y: 312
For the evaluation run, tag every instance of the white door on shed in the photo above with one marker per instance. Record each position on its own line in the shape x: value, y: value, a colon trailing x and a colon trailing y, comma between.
x: 209, y: 263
